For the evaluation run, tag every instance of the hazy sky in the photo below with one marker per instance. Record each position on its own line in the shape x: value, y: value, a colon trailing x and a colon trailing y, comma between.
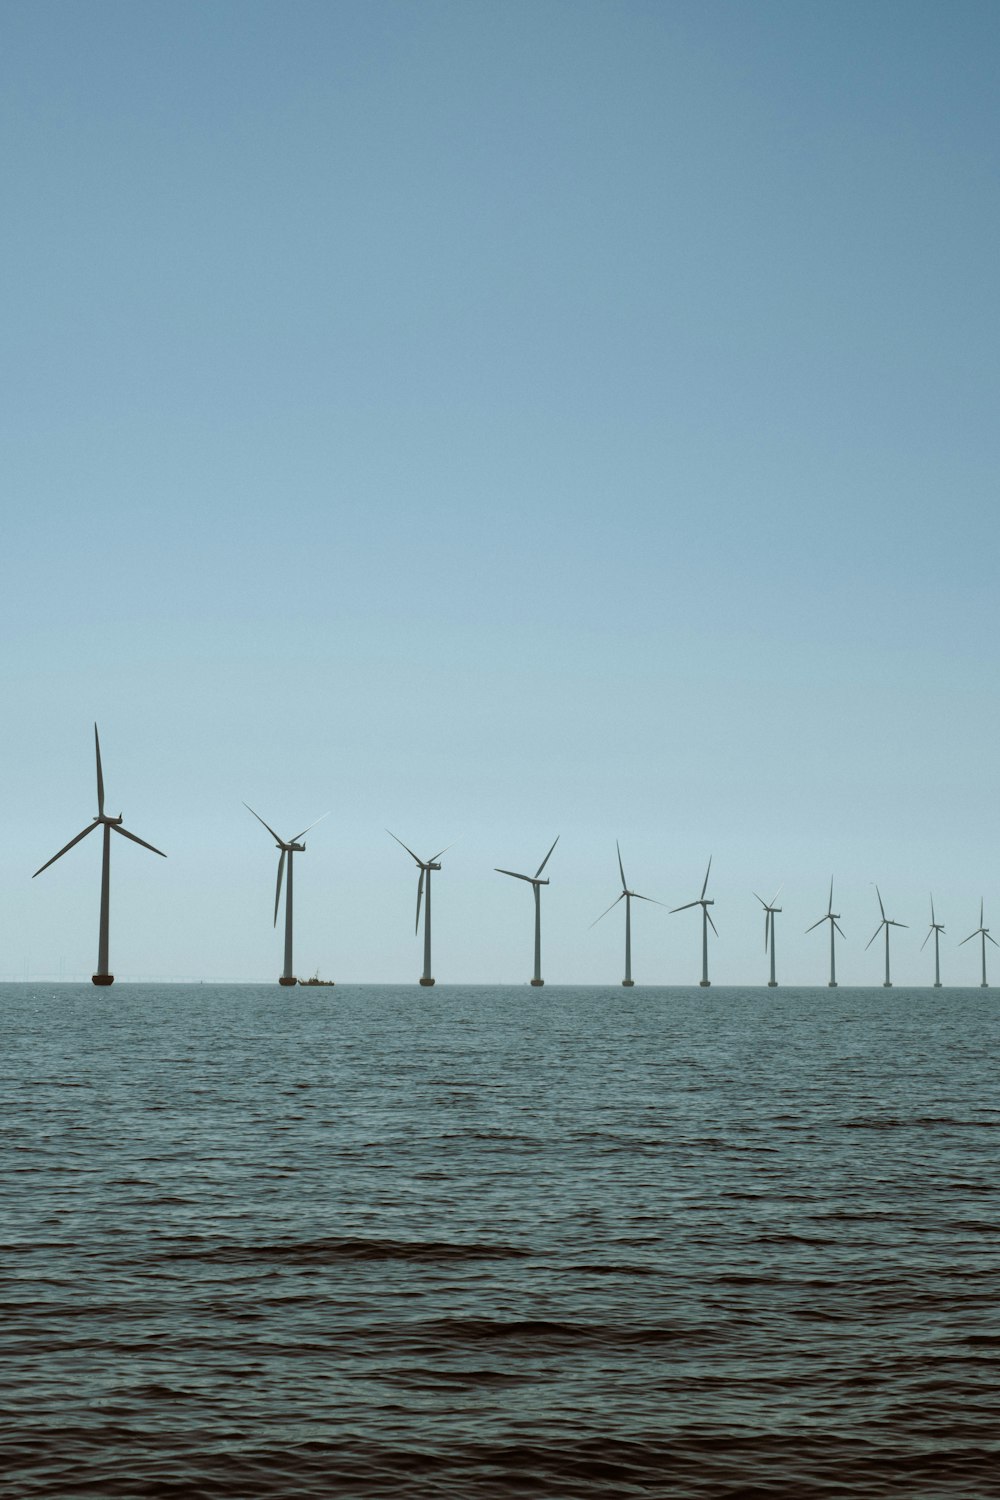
x: 492, y: 421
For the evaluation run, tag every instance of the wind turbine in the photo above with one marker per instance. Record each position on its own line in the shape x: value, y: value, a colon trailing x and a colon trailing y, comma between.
x: 425, y: 866
x: 833, y: 917
x: 705, y: 920
x: 769, y: 911
x: 291, y: 847
x: 628, y: 897
x: 536, y: 885
x: 885, y: 923
x: 103, y: 821
x: 937, y: 928
x: 982, y: 933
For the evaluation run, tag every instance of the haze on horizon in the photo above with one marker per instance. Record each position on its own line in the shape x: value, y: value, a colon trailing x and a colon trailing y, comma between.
x: 493, y: 422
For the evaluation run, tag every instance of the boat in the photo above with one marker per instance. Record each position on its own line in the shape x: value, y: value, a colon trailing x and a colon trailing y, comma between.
x: 316, y: 980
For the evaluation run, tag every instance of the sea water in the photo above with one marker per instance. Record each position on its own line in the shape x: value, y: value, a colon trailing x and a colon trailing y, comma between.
x: 477, y: 1241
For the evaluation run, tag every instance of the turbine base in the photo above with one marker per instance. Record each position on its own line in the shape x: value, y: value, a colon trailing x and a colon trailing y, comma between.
x: 936, y: 985
x: 983, y: 985
x: 887, y: 984
x: 705, y: 983
x: 102, y: 979
x: 426, y: 979
x: 288, y: 979
x: 537, y: 982
x: 831, y: 984
x: 628, y: 984
x: 772, y: 984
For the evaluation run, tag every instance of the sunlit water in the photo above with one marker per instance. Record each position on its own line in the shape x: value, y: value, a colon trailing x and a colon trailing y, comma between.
x: 473, y: 1242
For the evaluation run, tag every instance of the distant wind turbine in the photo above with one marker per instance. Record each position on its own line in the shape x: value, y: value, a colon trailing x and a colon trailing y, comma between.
x: 833, y: 917
x: 937, y: 928
x: 536, y: 885
x: 885, y: 924
x: 291, y: 847
x: 425, y: 866
x: 705, y: 920
x: 769, y: 912
x: 628, y: 897
x: 102, y: 820
x: 982, y: 933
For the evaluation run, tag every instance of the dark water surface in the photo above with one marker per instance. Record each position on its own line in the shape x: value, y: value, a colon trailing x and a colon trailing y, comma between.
x: 480, y: 1242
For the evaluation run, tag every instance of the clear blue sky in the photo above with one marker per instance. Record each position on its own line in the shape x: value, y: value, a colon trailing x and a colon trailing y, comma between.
x: 492, y: 421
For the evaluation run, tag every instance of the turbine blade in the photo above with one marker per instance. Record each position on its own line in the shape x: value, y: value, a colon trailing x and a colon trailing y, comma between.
x: 100, y: 776
x: 760, y: 899
x: 295, y: 839
x: 875, y: 934
x: 545, y: 861
x: 89, y: 829
x: 402, y: 845
x: 420, y: 894
x: 840, y: 929
x: 991, y: 940
x: 816, y: 924
x: 636, y: 897
x: 880, y: 906
x: 897, y: 924
x: 686, y: 907
x: 277, y: 889
x: 932, y: 909
x: 514, y: 874
x: 621, y: 867
x: 609, y: 908
x: 777, y: 893
x: 968, y: 939
x: 829, y: 909
x: 261, y: 820
x: 980, y: 911
x: 710, y: 922
x: 707, y: 873
x: 136, y: 839
x: 926, y: 940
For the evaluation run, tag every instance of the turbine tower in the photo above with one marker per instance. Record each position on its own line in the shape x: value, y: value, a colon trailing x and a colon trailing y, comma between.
x: 536, y: 885
x: 291, y: 847
x: 705, y: 920
x: 885, y: 923
x: 833, y: 917
x: 425, y: 866
x: 628, y: 897
x: 769, y: 911
x: 103, y: 821
x: 937, y: 928
x: 982, y: 933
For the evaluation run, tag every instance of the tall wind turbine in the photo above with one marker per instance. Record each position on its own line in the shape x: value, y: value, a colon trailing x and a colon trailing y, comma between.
x: 769, y: 911
x: 536, y: 885
x: 705, y: 920
x: 103, y: 821
x: 982, y: 933
x: 291, y: 847
x: 885, y: 924
x: 425, y: 866
x: 937, y: 928
x: 628, y: 897
x: 833, y: 917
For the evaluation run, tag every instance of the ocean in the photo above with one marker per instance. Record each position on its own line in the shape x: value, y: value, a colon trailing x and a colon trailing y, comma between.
x: 474, y: 1241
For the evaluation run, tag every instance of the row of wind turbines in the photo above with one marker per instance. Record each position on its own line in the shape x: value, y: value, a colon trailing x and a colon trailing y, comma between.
x: 288, y: 848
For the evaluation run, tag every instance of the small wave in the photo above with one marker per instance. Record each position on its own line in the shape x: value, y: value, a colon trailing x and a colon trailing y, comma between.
x: 537, y: 1334
x: 341, y: 1248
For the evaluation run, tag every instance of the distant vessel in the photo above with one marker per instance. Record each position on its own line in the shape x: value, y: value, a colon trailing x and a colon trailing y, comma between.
x: 316, y: 980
